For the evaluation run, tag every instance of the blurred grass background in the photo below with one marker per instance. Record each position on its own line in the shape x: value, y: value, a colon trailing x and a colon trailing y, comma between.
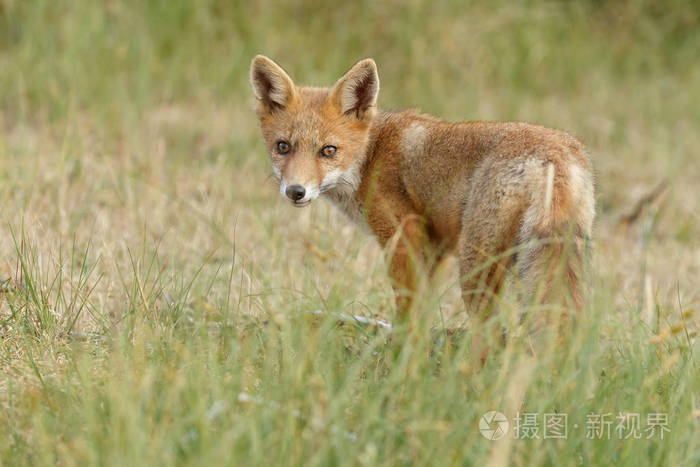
x: 150, y: 273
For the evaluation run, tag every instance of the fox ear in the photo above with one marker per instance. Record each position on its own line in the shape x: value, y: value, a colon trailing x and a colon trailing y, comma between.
x: 357, y: 90
x: 271, y: 85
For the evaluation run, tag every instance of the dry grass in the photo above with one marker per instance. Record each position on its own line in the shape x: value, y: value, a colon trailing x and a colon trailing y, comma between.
x: 150, y: 271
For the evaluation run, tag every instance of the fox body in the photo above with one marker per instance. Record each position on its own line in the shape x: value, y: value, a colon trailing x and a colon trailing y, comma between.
x: 502, y: 196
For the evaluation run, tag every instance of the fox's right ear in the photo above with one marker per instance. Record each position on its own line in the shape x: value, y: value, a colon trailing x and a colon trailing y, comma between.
x: 271, y: 85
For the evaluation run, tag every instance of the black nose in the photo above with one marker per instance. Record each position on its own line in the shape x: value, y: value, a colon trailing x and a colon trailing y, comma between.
x: 295, y: 192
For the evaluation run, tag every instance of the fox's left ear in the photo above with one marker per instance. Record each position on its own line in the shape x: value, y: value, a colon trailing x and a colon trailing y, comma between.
x: 356, y: 92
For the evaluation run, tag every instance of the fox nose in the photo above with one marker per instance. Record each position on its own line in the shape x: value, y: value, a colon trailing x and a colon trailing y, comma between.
x: 295, y: 192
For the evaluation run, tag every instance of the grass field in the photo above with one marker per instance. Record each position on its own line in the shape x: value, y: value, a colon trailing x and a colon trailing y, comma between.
x: 155, y: 291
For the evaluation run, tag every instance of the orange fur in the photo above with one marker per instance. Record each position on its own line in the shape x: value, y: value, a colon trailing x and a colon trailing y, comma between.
x: 490, y: 192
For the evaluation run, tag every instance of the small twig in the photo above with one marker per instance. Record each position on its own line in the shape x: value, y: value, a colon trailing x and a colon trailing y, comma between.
x: 645, y: 201
x: 360, y: 320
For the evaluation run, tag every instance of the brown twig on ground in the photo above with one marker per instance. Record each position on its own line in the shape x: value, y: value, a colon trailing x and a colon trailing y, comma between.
x: 642, y: 204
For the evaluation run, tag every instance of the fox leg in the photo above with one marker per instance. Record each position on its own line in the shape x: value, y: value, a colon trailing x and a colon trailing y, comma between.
x: 482, y: 273
x: 408, y: 261
x: 484, y: 260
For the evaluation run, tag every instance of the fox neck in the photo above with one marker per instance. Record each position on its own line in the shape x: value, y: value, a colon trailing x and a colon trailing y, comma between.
x: 344, y: 195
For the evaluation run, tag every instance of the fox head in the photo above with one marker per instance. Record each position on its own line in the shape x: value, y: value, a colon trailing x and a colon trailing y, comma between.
x: 316, y: 137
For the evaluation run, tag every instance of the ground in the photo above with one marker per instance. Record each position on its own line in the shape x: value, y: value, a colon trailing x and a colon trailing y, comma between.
x: 156, y: 293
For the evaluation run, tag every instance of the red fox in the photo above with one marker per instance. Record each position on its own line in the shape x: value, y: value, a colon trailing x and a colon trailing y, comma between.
x: 503, y: 196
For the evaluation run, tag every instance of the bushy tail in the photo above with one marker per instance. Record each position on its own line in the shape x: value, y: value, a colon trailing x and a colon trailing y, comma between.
x: 553, y: 243
x: 551, y: 267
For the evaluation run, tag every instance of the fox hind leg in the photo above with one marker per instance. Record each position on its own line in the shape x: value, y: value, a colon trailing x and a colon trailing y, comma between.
x: 484, y: 260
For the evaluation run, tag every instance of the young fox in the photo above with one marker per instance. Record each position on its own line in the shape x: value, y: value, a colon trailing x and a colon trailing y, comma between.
x: 497, y: 194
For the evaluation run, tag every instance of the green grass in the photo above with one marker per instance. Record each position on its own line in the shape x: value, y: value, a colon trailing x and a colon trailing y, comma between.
x: 156, y: 294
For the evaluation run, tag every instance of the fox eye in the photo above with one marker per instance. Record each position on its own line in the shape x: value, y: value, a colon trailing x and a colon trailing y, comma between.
x: 328, y: 151
x: 282, y: 147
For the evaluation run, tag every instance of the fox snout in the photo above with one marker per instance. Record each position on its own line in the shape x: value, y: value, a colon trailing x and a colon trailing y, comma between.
x: 298, y: 194
x: 295, y: 192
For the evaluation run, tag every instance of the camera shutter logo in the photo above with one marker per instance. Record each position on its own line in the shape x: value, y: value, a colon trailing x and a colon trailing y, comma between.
x: 493, y: 425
